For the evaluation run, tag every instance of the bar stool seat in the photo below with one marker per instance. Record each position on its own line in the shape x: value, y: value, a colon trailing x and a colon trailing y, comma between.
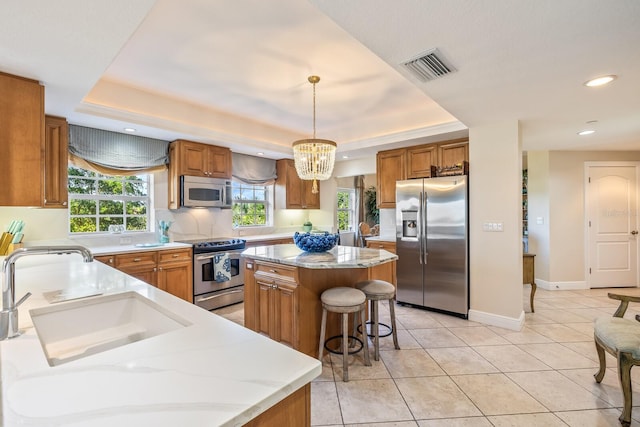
x: 343, y: 300
x: 378, y: 290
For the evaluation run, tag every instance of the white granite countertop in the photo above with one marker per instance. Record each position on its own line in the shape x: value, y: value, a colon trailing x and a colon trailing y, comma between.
x: 212, y: 372
x: 115, y: 249
x: 338, y: 257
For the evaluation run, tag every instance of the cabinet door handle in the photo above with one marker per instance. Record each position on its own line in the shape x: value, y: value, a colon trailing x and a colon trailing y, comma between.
x: 64, y: 203
x: 159, y: 268
x: 155, y: 269
x: 273, y: 271
x: 137, y: 260
x: 110, y: 260
x: 176, y: 255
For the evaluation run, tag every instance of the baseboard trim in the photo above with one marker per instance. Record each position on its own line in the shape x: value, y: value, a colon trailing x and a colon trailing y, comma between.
x: 497, y: 320
x: 561, y: 286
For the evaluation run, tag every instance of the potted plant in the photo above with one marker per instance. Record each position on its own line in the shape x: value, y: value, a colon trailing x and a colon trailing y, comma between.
x: 372, y: 214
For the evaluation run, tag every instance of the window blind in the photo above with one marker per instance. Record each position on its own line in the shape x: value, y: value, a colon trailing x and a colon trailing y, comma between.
x: 114, y: 153
x: 253, y: 170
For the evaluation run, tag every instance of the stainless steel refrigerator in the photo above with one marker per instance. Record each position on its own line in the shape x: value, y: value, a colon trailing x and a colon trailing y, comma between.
x: 432, y: 243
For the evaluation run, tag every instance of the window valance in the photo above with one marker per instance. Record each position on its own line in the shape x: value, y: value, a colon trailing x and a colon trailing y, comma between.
x: 253, y: 170
x: 115, y: 153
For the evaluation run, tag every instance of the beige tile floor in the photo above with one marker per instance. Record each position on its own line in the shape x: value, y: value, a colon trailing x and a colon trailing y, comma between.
x: 453, y: 372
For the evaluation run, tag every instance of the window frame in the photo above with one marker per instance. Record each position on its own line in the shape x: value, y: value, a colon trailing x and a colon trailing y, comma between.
x: 267, y: 201
x: 97, y: 197
x: 351, y: 210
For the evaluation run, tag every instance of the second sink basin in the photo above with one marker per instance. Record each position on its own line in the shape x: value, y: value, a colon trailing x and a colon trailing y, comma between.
x: 81, y: 328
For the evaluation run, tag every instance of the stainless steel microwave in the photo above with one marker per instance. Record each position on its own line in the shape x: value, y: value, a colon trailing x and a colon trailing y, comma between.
x: 200, y: 192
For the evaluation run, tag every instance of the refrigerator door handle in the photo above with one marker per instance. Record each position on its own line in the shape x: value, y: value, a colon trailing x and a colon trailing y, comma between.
x: 420, y: 232
x: 423, y: 243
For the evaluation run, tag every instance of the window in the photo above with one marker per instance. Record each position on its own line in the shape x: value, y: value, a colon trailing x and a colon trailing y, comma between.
x: 251, y: 204
x: 97, y: 201
x: 346, y: 209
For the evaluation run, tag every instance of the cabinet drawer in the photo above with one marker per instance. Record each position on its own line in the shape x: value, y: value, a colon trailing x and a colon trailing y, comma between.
x: 273, y: 269
x: 174, y: 256
x: 136, y: 259
x: 387, y: 246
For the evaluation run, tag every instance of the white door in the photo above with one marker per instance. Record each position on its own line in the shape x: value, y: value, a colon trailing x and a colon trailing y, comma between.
x: 612, y: 246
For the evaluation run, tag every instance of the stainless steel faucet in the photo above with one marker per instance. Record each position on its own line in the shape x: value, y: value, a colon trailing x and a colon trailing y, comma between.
x: 9, y: 313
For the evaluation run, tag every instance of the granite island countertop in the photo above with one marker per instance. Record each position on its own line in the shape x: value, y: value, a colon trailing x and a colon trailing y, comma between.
x: 205, y: 373
x: 338, y: 257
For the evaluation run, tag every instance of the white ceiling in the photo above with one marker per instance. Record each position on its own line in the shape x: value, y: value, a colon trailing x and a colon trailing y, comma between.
x: 234, y: 72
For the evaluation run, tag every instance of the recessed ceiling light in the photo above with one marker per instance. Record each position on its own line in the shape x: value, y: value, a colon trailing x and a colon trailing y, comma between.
x: 586, y: 132
x: 129, y: 130
x: 345, y: 157
x: 599, y: 81
x: 260, y: 153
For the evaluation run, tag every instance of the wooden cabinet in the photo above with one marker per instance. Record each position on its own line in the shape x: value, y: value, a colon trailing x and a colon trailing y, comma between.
x: 21, y: 141
x: 283, y: 301
x: 276, y: 302
x: 195, y: 159
x: 416, y: 162
x: 175, y: 273
x: 141, y: 265
x: 386, y: 272
x: 379, y: 244
x: 420, y: 160
x: 169, y: 270
x: 453, y: 153
x: 390, y: 167
x: 291, y: 191
x: 56, y: 157
x: 204, y: 160
x: 292, y: 411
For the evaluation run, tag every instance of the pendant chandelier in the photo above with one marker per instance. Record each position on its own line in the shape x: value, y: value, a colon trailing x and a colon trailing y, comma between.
x: 314, y: 158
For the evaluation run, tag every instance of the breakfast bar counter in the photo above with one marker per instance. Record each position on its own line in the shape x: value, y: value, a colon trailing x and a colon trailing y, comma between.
x: 283, y: 285
x: 206, y: 370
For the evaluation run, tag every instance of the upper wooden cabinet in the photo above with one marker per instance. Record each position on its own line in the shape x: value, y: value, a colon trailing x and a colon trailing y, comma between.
x: 56, y: 161
x: 291, y: 191
x: 195, y: 159
x: 419, y: 161
x: 453, y: 153
x: 415, y: 162
x: 21, y: 141
x: 390, y: 167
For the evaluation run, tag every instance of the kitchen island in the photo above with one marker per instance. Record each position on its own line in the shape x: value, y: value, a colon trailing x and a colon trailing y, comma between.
x: 207, y: 372
x: 283, y: 285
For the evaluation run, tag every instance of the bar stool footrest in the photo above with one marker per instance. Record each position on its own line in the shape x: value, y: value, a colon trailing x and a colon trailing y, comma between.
x: 350, y: 337
x: 386, y: 334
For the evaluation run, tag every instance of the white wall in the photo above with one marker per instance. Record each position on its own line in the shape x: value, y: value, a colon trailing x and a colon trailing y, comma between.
x: 538, y: 196
x: 564, y: 228
x: 495, y: 196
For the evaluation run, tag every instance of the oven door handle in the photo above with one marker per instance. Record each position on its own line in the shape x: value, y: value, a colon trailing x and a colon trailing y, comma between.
x: 235, y: 291
x: 232, y: 255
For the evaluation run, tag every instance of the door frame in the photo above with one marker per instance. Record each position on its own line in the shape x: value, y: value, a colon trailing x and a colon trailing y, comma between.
x: 586, y: 195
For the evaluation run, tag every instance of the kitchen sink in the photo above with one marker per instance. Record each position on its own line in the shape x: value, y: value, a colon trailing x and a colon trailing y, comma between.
x: 78, y: 329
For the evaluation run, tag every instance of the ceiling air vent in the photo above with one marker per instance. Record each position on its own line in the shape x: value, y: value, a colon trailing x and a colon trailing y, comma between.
x: 430, y: 65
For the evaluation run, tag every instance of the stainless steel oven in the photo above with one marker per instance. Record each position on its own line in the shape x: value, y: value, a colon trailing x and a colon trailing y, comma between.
x: 210, y: 289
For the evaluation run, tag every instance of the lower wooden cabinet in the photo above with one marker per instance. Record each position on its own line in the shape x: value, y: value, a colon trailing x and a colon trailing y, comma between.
x: 292, y: 411
x: 276, y: 303
x: 386, y: 272
x: 169, y: 270
x: 175, y: 273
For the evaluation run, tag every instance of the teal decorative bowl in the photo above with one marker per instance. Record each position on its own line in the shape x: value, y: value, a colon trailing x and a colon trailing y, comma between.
x: 315, y: 242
